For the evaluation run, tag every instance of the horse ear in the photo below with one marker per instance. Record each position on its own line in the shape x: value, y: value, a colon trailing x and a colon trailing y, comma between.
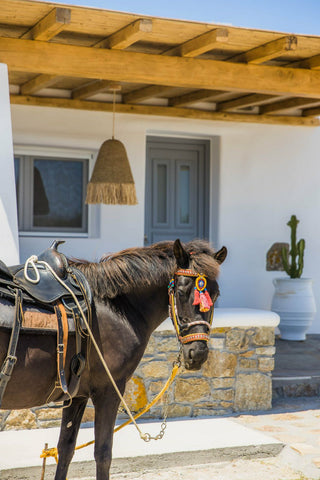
x: 181, y: 255
x: 220, y: 256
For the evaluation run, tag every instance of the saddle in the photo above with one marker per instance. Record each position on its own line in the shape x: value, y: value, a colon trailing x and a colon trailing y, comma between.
x: 39, y: 283
x: 48, y: 282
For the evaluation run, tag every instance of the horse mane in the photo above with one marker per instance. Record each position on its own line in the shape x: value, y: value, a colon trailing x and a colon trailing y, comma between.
x: 123, y: 272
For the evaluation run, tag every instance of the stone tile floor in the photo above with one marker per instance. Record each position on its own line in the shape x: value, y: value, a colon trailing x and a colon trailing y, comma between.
x: 236, y: 470
x: 295, y: 422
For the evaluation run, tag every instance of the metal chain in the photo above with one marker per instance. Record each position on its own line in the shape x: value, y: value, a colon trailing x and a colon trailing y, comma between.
x: 163, y: 427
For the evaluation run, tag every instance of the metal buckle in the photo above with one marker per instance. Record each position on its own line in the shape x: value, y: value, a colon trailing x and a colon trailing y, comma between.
x: 8, y: 365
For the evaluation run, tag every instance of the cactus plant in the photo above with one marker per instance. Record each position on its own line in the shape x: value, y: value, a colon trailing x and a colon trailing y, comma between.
x: 295, y: 267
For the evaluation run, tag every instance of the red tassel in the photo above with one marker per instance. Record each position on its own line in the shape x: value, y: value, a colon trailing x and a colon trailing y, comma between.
x: 204, y: 305
x: 208, y: 298
x: 196, y: 297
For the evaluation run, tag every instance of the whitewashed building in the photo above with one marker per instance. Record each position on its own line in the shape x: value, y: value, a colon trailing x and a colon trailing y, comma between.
x: 203, y: 166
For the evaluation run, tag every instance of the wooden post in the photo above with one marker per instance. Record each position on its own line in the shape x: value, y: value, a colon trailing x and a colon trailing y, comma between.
x: 44, y: 463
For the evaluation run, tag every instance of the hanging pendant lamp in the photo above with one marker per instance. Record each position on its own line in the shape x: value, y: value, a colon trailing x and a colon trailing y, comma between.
x: 112, y: 181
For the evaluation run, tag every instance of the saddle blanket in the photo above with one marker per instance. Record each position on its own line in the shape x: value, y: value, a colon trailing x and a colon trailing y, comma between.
x: 34, y: 318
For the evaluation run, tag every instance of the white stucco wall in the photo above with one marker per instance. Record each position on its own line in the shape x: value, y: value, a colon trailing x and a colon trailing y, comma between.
x: 267, y: 173
x: 9, y: 245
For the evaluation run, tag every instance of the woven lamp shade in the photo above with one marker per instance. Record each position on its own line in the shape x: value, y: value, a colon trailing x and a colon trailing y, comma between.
x: 112, y: 181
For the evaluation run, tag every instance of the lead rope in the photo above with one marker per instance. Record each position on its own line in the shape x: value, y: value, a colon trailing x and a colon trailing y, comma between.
x: 32, y: 261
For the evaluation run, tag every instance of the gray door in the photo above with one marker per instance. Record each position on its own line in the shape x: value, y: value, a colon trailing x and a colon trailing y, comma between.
x: 177, y: 189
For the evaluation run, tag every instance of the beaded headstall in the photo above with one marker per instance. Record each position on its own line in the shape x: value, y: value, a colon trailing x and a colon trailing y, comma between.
x: 201, y: 298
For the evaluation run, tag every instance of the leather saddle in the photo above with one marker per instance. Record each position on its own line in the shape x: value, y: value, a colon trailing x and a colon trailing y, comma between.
x: 39, y: 284
x: 49, y: 282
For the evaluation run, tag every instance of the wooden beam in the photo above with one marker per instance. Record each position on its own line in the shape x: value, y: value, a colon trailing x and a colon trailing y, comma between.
x: 266, y: 52
x: 56, y: 20
x: 241, y: 102
x: 311, y: 112
x: 163, y: 111
x: 37, y: 83
x: 133, y: 67
x: 93, y: 88
x: 121, y: 39
x: 127, y: 36
x: 192, y: 48
x: 143, y: 93
x: 201, y: 44
x: 193, y: 97
x: 50, y: 25
x: 311, y: 62
x: 287, y: 104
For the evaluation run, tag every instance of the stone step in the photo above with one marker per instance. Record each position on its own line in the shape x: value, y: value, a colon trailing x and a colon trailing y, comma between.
x: 295, y: 386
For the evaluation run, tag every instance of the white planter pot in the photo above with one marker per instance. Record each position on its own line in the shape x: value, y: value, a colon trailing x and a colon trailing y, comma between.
x: 294, y: 301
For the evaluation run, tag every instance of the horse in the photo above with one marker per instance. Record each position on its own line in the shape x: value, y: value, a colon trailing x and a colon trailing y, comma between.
x: 129, y: 301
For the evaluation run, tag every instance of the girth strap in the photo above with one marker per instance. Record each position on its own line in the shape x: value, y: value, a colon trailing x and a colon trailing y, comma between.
x: 62, y: 343
x: 10, y: 360
x: 78, y: 361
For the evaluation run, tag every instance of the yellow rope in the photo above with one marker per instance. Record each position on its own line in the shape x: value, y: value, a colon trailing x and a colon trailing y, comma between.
x: 50, y: 452
x: 53, y: 452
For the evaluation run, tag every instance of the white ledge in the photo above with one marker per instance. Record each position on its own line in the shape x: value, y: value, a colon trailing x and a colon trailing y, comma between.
x: 236, y: 317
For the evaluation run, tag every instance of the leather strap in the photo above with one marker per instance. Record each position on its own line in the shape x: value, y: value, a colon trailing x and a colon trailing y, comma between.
x: 192, y: 337
x: 62, y: 342
x: 67, y: 392
x: 62, y: 339
x: 78, y: 361
x: 10, y: 360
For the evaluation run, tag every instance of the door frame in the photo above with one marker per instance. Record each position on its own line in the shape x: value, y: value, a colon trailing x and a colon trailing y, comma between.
x: 212, y: 181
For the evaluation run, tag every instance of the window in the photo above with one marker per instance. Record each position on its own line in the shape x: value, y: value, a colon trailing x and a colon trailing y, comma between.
x: 51, y: 194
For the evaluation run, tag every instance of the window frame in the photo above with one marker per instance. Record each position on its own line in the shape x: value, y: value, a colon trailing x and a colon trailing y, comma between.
x: 25, y: 194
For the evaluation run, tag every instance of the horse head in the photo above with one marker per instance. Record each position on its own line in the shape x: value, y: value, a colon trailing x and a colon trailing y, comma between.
x: 192, y: 295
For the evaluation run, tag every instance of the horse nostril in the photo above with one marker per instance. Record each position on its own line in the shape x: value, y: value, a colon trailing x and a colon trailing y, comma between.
x: 191, y: 354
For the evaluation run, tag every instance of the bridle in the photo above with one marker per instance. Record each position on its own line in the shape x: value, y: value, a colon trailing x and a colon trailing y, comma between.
x: 200, y: 287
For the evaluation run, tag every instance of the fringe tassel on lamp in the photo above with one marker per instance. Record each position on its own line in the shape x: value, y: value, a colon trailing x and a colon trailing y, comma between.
x: 112, y: 181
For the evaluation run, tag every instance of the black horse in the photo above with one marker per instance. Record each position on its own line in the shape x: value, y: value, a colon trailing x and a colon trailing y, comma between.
x: 130, y: 300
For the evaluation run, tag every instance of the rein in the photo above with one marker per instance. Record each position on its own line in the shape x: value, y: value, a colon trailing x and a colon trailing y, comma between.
x: 202, y: 299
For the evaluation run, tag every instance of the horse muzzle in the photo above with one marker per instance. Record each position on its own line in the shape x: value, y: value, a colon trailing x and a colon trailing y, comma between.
x: 195, y: 354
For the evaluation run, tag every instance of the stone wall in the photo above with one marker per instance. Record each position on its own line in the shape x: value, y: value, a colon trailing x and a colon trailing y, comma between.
x: 236, y: 377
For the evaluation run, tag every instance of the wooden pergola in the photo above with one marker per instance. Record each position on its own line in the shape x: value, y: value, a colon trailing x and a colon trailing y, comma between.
x: 72, y: 57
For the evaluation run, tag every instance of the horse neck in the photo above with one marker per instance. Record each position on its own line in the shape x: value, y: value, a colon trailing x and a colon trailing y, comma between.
x: 152, y: 305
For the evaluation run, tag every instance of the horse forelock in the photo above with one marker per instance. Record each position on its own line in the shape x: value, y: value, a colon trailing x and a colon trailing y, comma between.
x: 135, y: 268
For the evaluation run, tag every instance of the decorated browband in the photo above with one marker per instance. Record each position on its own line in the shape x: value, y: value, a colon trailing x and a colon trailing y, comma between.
x: 201, y: 294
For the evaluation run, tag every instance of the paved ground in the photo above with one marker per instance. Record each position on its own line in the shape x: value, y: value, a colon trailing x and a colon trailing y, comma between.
x: 298, y: 358
x: 236, y: 470
x: 294, y: 422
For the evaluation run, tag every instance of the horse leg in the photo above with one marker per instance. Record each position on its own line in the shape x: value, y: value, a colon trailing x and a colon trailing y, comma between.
x: 106, y: 405
x: 71, y: 419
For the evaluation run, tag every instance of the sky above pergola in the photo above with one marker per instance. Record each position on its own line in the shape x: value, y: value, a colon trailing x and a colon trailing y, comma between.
x: 294, y: 16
